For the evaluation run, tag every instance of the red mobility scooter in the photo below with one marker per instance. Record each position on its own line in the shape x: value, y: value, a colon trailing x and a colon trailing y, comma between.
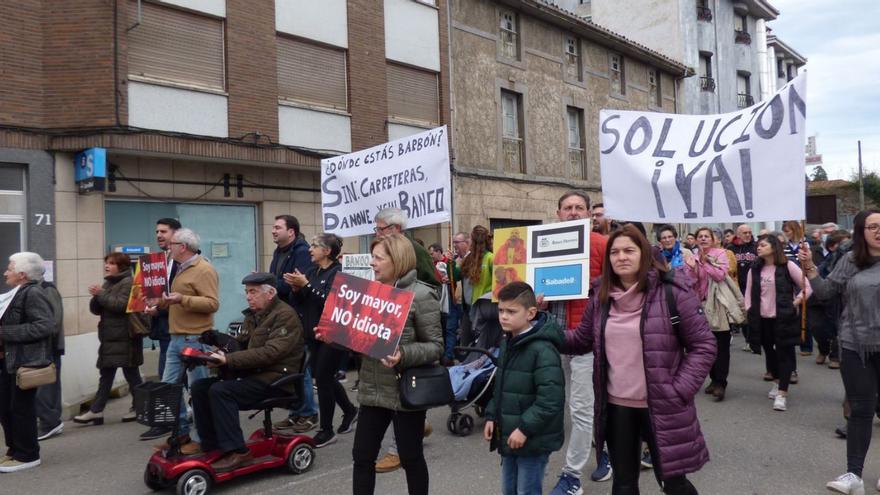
x: 158, y: 404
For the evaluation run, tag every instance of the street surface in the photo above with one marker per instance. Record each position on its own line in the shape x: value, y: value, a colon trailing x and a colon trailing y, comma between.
x: 754, y: 450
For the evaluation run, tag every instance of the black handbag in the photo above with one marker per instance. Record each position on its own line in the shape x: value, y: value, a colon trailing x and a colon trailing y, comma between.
x: 424, y: 387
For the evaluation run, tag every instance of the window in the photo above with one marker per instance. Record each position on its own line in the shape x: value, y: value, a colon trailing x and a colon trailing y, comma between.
x: 703, y: 11
x: 741, y: 30
x: 575, y: 121
x: 707, y: 83
x: 512, y: 131
x: 743, y: 90
x: 509, y: 35
x: 572, y: 59
x: 780, y: 68
x: 311, y: 73
x: 618, y: 77
x: 177, y: 46
x: 655, y: 96
x: 791, y: 72
x: 11, y: 178
x: 413, y: 94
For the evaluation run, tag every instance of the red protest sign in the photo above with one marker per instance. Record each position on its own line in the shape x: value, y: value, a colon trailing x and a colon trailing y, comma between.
x: 364, y: 316
x: 155, y: 274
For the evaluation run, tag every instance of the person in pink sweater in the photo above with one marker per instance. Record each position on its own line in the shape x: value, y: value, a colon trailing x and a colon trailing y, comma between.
x: 711, y: 263
x: 775, y: 289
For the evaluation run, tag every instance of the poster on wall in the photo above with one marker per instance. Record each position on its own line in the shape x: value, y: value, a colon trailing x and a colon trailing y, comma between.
x: 744, y: 166
x: 553, y: 259
x: 358, y: 265
x: 365, y: 316
x: 411, y: 173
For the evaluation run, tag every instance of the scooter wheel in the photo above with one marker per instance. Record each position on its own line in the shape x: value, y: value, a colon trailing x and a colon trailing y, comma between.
x: 194, y: 482
x: 464, y: 425
x: 450, y: 424
x: 301, y: 459
x: 153, y: 483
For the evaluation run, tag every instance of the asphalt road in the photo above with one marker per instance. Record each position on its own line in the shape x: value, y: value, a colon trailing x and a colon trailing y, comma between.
x: 754, y: 450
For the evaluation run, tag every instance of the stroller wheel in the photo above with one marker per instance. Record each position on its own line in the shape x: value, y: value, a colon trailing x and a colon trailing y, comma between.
x: 451, y: 423
x: 465, y: 425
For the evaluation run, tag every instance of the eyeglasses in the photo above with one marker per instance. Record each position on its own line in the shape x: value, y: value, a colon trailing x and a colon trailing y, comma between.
x: 874, y: 227
x: 175, y: 244
x: 379, y: 230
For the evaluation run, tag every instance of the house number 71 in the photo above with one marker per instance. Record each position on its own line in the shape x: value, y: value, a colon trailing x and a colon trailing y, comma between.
x: 43, y: 218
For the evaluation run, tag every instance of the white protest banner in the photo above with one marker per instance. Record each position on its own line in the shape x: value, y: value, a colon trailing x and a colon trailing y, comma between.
x: 410, y: 173
x: 358, y: 265
x: 736, y: 167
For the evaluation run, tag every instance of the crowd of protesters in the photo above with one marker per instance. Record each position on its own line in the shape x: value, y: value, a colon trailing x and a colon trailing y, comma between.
x: 660, y: 320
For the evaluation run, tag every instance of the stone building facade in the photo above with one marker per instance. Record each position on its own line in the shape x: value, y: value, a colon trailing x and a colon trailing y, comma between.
x: 528, y: 82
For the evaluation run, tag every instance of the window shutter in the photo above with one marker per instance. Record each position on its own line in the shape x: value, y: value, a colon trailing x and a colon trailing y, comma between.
x: 312, y: 73
x: 413, y: 94
x: 176, y: 46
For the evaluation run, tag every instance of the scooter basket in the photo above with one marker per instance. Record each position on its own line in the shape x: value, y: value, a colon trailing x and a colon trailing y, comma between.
x: 157, y: 403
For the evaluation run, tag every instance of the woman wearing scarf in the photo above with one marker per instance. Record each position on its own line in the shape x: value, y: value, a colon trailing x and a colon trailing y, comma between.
x: 670, y: 246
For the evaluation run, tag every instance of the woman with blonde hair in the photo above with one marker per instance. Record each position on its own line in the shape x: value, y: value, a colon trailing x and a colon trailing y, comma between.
x: 421, y: 343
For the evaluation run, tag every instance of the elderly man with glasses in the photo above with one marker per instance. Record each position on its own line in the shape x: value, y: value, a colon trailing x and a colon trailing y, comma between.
x: 393, y: 221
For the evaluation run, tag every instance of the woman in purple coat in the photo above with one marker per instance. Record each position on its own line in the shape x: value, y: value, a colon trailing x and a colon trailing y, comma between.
x: 646, y: 371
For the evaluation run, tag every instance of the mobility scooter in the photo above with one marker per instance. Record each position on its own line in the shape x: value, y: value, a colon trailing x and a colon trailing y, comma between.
x: 158, y: 404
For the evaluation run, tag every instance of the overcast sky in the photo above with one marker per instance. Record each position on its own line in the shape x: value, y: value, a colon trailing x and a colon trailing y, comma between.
x: 841, y: 41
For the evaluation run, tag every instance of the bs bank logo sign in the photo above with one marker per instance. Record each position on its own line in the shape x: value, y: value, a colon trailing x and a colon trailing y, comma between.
x: 91, y: 169
x: 559, y: 280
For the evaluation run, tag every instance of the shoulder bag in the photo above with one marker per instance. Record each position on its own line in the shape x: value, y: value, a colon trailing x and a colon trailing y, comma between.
x: 424, y: 387
x: 27, y: 378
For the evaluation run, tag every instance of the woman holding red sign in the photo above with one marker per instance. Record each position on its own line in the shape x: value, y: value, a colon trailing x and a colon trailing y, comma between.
x: 394, y: 263
x: 310, y: 293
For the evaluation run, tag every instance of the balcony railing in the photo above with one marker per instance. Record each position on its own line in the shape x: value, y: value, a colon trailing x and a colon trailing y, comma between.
x: 576, y: 162
x: 744, y: 100
x: 742, y: 37
x: 704, y: 14
x: 707, y: 84
x: 513, y: 155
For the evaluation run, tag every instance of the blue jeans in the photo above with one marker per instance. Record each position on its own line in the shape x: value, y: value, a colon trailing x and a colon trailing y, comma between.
x: 163, y: 351
x: 452, y: 322
x: 173, y: 369
x: 523, y: 475
x: 308, y: 407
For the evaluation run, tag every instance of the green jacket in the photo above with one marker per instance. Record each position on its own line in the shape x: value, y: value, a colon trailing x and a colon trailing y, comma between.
x: 424, y: 265
x: 529, y: 390
x: 486, y: 279
x: 275, y: 345
x: 421, y: 343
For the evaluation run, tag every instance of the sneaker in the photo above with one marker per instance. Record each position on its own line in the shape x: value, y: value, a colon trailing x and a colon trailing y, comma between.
x: 306, y: 423
x: 567, y: 485
x: 779, y: 403
x: 848, y: 483
x: 12, y: 466
x: 324, y: 438
x: 773, y: 391
x: 391, y: 462
x: 603, y: 471
x: 340, y: 377
x: 646, y: 461
x: 286, y: 423
x: 155, y: 432
x: 347, y: 421
x: 47, y: 433
x: 794, y: 377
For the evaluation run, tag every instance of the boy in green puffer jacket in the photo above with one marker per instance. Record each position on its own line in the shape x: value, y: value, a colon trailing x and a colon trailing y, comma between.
x: 524, y: 419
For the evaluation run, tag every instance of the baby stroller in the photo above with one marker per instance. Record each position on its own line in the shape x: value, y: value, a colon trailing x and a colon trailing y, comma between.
x: 473, y: 380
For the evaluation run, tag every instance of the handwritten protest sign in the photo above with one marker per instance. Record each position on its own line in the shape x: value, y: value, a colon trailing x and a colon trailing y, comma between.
x: 364, y: 316
x: 155, y: 274
x: 136, y: 301
x: 736, y: 167
x: 554, y: 259
x: 410, y: 173
x: 358, y: 265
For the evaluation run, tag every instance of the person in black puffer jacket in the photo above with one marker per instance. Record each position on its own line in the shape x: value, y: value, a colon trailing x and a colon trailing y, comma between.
x: 26, y: 329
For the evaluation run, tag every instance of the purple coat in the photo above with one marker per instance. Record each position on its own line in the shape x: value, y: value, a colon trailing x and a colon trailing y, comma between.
x: 675, y: 368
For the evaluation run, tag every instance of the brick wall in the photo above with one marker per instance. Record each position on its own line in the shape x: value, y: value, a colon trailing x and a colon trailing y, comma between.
x: 366, y: 73
x: 78, y: 63
x: 20, y: 60
x: 251, y: 73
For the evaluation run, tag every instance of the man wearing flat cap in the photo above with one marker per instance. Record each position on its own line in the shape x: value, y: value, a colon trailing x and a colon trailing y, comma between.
x: 271, y: 339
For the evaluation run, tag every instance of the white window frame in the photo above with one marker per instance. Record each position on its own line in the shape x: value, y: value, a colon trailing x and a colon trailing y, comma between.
x: 508, y: 33
x: 616, y: 73
x: 571, y: 54
x: 576, y: 138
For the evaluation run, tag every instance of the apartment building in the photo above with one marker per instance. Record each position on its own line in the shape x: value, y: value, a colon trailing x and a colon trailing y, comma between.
x: 529, y: 79
x: 216, y: 112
